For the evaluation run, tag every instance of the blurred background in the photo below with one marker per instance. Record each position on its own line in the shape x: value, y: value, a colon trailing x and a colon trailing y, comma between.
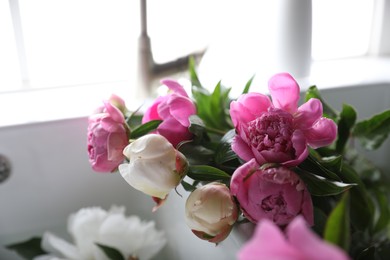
x: 92, y: 46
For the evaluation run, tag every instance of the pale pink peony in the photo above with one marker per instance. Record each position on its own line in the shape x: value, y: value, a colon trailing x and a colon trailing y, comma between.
x: 174, y: 109
x: 107, y: 137
x: 279, y: 131
x: 211, y: 212
x: 300, y: 243
x: 277, y: 194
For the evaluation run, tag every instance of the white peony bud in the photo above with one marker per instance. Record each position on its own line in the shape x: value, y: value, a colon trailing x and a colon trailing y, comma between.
x: 155, y: 167
x: 211, y: 212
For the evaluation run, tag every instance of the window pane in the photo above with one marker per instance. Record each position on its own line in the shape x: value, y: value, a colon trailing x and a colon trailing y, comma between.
x: 341, y: 28
x: 79, y: 42
x: 178, y: 27
x: 10, y: 78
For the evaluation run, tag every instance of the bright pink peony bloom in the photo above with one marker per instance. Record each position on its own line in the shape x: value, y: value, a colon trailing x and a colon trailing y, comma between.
x: 279, y: 131
x: 300, y: 243
x: 174, y: 109
x: 277, y: 194
x: 107, y: 137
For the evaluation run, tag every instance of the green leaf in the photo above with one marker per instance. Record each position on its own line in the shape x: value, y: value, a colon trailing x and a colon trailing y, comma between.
x: 345, y: 123
x: 384, y: 211
x: 212, y: 108
x: 29, y: 248
x: 313, y: 165
x: 187, y: 187
x: 193, y: 74
x: 333, y: 163
x: 207, y: 173
x: 362, y: 209
x: 111, y: 252
x: 373, y: 131
x: 224, y: 151
x: 248, y: 85
x: 134, y: 120
x: 328, y: 111
x: 320, y: 186
x: 145, y: 128
x: 337, y: 229
x: 197, y: 127
x: 196, y: 154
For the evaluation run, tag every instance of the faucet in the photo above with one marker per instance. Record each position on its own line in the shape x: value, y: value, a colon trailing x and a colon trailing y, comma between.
x: 148, y: 69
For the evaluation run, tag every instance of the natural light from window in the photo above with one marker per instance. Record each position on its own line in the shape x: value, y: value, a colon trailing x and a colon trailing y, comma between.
x: 84, y: 42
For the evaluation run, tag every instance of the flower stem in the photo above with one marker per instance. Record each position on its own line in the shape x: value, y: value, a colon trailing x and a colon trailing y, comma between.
x: 215, y: 131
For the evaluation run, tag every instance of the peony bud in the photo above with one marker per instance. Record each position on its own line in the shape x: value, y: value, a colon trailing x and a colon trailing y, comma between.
x: 211, y: 212
x: 154, y: 167
x: 107, y: 136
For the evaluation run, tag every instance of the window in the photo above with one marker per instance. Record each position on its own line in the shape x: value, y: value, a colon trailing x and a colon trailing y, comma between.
x: 86, y: 42
x: 341, y: 28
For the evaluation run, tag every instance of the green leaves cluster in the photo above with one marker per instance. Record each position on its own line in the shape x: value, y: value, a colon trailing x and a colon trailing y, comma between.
x: 358, y: 218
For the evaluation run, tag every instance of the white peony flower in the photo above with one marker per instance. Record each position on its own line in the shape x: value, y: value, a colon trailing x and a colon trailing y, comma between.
x: 155, y: 167
x: 129, y: 235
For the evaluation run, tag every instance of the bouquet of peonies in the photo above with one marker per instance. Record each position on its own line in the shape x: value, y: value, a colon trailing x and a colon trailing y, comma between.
x: 286, y: 167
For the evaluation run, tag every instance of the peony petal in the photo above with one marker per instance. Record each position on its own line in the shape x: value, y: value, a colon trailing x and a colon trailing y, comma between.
x: 174, y: 131
x: 175, y: 87
x: 150, y: 146
x: 181, y: 108
x: 284, y: 92
x: 301, y: 152
x: 237, y: 182
x: 59, y: 247
x: 268, y: 242
x: 114, y: 112
x: 311, y: 246
x: 323, y: 133
x: 241, y: 148
x: 307, y: 208
x: 152, y: 112
x: 248, y: 107
x: 308, y: 114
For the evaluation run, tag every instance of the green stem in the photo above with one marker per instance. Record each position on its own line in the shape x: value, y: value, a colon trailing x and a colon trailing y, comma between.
x: 215, y: 131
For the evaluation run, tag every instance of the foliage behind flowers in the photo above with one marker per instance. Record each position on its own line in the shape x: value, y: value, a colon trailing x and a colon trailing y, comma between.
x: 266, y: 160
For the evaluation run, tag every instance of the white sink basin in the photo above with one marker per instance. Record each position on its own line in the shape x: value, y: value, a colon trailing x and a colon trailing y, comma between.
x: 51, y: 178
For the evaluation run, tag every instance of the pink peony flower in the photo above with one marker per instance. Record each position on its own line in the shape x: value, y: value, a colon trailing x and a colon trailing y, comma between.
x: 277, y: 194
x: 279, y: 131
x: 107, y: 137
x: 174, y: 109
x: 300, y: 243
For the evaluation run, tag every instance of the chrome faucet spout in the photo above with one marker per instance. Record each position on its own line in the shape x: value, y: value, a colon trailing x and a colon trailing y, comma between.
x: 148, y: 69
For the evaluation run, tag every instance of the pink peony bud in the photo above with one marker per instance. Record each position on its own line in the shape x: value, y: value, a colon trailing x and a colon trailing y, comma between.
x: 107, y: 136
x: 154, y: 167
x: 300, y: 243
x: 211, y: 212
x: 279, y: 131
x: 277, y: 194
x: 174, y: 109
